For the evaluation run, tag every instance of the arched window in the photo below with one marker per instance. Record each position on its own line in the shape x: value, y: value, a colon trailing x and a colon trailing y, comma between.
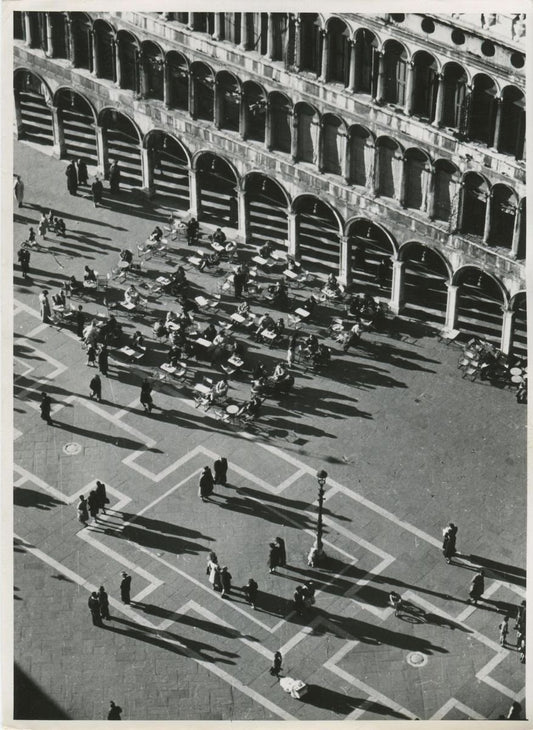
x: 310, y: 42
x: 229, y: 100
x: 476, y: 192
x: 366, y: 62
x: 482, y: 110
x: 81, y: 41
x: 37, y: 30
x: 231, y: 27
x: 153, y: 71
x: 513, y: 122
x: 332, y: 150
x: 18, y: 26
x: 339, y: 52
x: 417, y: 179
x: 280, y: 122
x: 307, y: 133
x: 446, y: 189
x: 257, y: 32
x: 425, y: 85
x: 128, y: 54
x: 389, y: 168
x: 361, y: 156
x: 178, y: 76
x: 203, y: 90
x: 454, y: 102
x: 254, y: 112
x: 59, y: 34
x: 283, y: 37
x: 503, y: 212
x: 395, y: 73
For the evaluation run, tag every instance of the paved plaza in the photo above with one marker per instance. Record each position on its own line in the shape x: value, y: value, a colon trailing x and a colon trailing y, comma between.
x: 408, y: 446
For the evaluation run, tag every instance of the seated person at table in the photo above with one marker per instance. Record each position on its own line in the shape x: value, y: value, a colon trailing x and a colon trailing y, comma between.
x: 266, y: 249
x: 59, y: 299
x: 265, y: 323
x: 284, y: 385
x: 188, y: 305
x: 137, y: 341
x: 293, y: 265
x: 89, y: 277
x: 279, y: 291
x: 91, y: 333
x: 178, y: 278
x: 174, y: 355
x: 171, y: 318
x: 210, y: 332
x: 111, y: 329
x: 73, y: 286
x: 126, y: 255
x: 210, y: 259
x: 279, y: 327
x: 132, y: 296
x: 332, y: 282
x: 354, y: 306
x: 250, y: 408
x: 192, y: 230
x: 259, y: 386
x: 156, y: 235
x: 259, y: 371
x: 352, y: 337
x: 219, y: 236
x: 311, y: 343
x: 217, y: 393
x: 159, y: 328
x: 59, y: 225
x: 322, y: 356
x: 280, y: 372
x: 310, y: 304
x: 237, y: 350
x: 179, y: 337
x: 243, y: 309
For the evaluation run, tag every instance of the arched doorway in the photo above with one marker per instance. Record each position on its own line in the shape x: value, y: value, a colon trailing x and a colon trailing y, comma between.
x: 123, y: 144
x: 266, y: 210
x: 35, y: 122
x: 317, y: 233
x: 216, y: 190
x: 170, y: 169
x: 77, y: 121
x: 424, y: 283
x: 369, y: 246
x: 479, y: 304
x: 519, y: 340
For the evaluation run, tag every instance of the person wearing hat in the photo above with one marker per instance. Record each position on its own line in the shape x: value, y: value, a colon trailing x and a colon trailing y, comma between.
x: 114, y: 711
x: 94, y: 607
x: 477, y: 587
x: 125, y: 587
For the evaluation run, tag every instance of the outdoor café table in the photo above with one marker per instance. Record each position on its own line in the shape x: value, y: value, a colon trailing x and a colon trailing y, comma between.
x: 124, y: 265
x: 201, y: 388
x: 217, y: 246
x: 268, y: 335
x: 236, y: 361
x: 303, y: 313
x: 516, y: 371
x: 238, y: 318
x: 517, y: 378
x: 170, y: 369
x: 202, y: 341
x: 163, y: 280
x: 290, y: 274
x: 128, y: 351
x: 89, y: 284
x: 231, y: 411
x: 259, y: 260
x: 278, y: 255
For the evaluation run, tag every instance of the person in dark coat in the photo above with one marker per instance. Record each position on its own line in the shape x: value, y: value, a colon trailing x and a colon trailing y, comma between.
x: 205, y: 485
x: 96, y: 388
x: 82, y: 173
x: 114, y: 177
x: 91, y: 355
x: 101, y: 495
x: 250, y: 591
x: 92, y: 502
x: 280, y: 542
x: 103, y: 360
x: 23, y: 256
x: 146, y: 396
x: 114, y: 711
x: 94, y: 607
x: 192, y: 231
x: 221, y: 470
x: 72, y: 178
x: 97, y: 190
x: 46, y: 408
x: 275, y: 669
x: 238, y: 282
x: 477, y: 587
x: 225, y: 581
x: 125, y: 587
x: 273, y: 557
x: 448, y: 543
x: 80, y: 320
x: 103, y: 603
x: 83, y: 514
x: 298, y: 599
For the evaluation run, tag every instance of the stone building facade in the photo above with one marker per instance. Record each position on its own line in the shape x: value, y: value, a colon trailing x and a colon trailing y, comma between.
x: 348, y: 139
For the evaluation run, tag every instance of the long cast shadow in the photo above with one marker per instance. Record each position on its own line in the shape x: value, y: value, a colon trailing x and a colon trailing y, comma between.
x: 341, y: 704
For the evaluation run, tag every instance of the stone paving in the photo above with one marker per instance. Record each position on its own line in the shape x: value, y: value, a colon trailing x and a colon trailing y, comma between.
x: 408, y: 445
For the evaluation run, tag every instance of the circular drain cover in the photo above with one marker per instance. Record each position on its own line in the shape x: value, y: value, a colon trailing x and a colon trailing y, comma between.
x: 72, y: 448
x: 416, y: 659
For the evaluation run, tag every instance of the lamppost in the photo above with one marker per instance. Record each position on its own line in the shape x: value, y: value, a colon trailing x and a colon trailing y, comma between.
x: 321, y: 477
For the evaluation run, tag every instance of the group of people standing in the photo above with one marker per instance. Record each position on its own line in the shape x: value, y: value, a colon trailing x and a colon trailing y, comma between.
x: 77, y: 175
x: 208, y: 479
x: 95, y: 502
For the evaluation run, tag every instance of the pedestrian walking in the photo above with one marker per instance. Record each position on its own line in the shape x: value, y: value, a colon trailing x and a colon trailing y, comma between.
x: 146, y: 396
x: 114, y: 177
x: 44, y: 305
x: 449, y: 534
x: 92, y: 503
x: 103, y: 603
x: 273, y: 557
x: 18, y: 191
x: 80, y: 320
x: 23, y: 256
x: 291, y: 350
x: 115, y: 711
x: 94, y: 607
x: 101, y: 494
x: 95, y: 387
x: 504, y: 630
x: 213, y: 571
x: 477, y: 587
x: 103, y: 360
x: 520, y: 624
x: 82, y: 172
x: 298, y: 600
x: 514, y: 711
x: 31, y: 236
x: 125, y: 587
x: 280, y: 542
x: 238, y: 282
x: 225, y: 581
x: 72, y: 178
x: 250, y: 591
x: 97, y: 190
x: 275, y: 669
x: 312, y: 557
x: 308, y: 593
x: 192, y: 231
x: 395, y: 602
x: 91, y: 355
x: 205, y: 485
x: 42, y: 226
x: 83, y: 513
x: 220, y: 468
x: 46, y: 408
